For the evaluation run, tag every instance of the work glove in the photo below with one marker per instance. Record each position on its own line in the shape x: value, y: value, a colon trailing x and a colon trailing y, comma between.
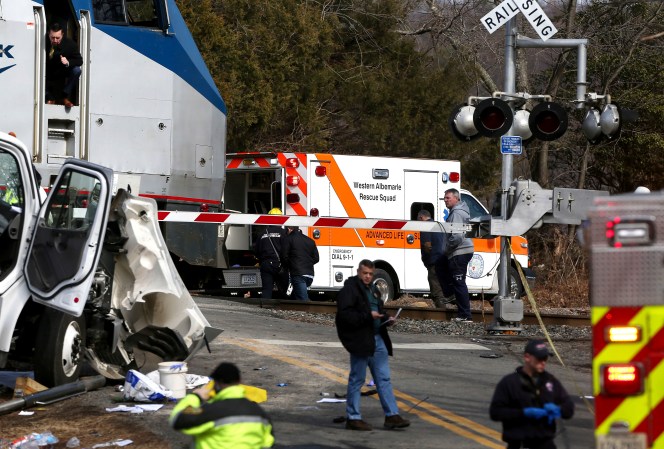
x: 535, y: 412
x: 552, y: 410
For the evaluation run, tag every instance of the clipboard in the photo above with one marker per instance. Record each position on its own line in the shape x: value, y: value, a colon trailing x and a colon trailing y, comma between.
x: 395, y: 316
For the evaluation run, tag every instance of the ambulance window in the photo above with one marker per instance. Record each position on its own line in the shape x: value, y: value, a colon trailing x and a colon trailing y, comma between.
x: 260, y: 180
x: 415, y: 208
x: 475, y: 207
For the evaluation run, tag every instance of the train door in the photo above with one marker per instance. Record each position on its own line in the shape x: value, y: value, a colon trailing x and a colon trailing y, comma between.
x: 420, y: 192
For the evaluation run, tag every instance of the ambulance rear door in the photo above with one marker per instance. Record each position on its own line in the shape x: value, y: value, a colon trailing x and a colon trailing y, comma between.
x: 420, y: 192
x: 319, y: 195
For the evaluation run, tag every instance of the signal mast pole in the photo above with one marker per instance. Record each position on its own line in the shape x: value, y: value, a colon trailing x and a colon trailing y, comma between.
x: 505, y: 305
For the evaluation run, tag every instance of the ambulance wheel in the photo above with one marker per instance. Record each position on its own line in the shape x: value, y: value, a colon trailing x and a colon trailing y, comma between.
x: 59, y: 347
x: 516, y: 287
x: 384, y: 284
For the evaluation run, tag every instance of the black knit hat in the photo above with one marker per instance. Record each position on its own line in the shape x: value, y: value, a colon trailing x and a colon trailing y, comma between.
x: 226, y: 373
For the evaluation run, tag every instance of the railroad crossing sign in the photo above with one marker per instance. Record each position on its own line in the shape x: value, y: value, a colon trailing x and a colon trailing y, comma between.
x: 538, y: 19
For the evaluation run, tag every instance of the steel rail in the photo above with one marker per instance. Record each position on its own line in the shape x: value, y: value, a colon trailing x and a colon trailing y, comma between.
x: 421, y: 313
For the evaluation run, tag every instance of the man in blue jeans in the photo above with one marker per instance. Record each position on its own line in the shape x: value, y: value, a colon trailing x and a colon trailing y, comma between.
x: 299, y: 254
x: 451, y: 268
x: 362, y: 328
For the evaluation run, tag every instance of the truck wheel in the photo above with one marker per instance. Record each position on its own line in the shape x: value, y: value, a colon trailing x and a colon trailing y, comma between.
x: 59, y: 348
x: 384, y: 284
x: 516, y: 288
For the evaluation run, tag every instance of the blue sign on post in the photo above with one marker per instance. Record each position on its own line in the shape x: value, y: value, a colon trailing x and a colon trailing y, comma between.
x: 510, y: 144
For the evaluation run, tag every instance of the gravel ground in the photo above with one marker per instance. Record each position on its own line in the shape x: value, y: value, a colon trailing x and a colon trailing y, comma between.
x: 446, y: 327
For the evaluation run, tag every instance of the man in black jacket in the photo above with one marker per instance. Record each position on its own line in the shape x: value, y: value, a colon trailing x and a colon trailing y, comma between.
x: 362, y: 328
x: 268, y: 251
x: 299, y: 254
x: 529, y: 401
x: 63, y: 66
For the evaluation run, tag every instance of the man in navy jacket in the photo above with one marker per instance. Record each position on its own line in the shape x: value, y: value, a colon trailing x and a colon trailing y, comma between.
x: 529, y: 400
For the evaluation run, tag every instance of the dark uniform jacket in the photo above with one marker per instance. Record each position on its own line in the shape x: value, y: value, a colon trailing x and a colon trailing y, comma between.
x: 268, y: 248
x: 299, y: 254
x: 55, y: 69
x: 431, y: 256
x: 517, y: 391
x: 354, y: 323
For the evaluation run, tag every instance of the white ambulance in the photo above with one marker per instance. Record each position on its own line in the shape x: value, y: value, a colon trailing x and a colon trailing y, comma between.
x: 326, y: 185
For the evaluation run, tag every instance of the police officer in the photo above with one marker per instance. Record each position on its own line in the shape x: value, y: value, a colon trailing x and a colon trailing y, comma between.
x: 219, y: 416
x: 268, y: 251
x: 529, y: 400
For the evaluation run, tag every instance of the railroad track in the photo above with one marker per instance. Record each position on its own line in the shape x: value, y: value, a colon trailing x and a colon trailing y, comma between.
x: 420, y: 313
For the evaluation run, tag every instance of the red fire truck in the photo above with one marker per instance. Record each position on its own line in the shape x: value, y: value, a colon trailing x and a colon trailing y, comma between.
x: 626, y: 241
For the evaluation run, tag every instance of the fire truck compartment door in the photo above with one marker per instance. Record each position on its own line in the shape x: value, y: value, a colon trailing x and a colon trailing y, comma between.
x: 68, y: 235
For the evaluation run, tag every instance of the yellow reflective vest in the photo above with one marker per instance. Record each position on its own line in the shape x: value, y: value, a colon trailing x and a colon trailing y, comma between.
x: 226, y: 421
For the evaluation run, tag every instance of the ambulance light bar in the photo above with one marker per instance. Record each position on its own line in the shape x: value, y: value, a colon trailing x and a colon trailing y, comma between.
x: 380, y: 173
x: 625, y: 379
x: 622, y: 334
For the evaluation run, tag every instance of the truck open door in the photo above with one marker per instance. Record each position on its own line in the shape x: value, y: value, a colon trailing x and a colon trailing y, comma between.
x: 68, y: 235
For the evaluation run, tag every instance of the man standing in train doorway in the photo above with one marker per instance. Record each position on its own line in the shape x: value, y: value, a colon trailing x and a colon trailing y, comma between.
x: 529, y: 400
x: 63, y: 67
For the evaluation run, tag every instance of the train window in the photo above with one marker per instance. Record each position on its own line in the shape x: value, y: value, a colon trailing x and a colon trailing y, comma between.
x: 109, y: 11
x: 139, y: 13
x: 142, y: 13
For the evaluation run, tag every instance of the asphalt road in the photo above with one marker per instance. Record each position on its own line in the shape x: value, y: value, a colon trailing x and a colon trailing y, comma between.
x: 443, y: 384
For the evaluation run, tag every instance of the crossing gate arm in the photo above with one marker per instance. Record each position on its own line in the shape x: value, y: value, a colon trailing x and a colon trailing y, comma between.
x: 531, y: 206
x: 317, y: 222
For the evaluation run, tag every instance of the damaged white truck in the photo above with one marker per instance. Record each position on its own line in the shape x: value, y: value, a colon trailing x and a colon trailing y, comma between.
x: 85, y: 276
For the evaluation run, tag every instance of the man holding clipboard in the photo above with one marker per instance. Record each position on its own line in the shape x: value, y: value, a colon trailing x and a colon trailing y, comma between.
x: 362, y: 328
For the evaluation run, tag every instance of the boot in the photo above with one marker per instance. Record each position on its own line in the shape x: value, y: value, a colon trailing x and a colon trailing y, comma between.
x: 395, y: 422
x: 358, y: 424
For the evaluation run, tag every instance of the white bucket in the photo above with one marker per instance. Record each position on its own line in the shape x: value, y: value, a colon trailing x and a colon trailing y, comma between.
x: 173, y: 376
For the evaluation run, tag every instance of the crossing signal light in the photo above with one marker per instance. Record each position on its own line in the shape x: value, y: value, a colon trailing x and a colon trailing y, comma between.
x: 493, y: 117
x: 461, y: 123
x: 548, y: 121
x: 599, y: 125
